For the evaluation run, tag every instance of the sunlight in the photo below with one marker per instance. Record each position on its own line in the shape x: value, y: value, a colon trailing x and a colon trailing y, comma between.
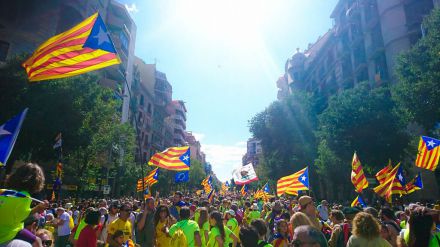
x: 233, y: 23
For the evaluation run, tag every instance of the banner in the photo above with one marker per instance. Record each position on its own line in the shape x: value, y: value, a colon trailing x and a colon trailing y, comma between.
x: 244, y: 175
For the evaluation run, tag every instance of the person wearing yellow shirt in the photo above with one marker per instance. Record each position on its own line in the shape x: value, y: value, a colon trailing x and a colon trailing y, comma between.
x: 122, y: 224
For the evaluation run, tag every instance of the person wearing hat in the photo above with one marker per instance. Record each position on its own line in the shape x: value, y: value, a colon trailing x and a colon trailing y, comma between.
x: 232, y: 222
x: 253, y: 214
x: 307, y: 206
x: 63, y: 227
x: 323, y: 210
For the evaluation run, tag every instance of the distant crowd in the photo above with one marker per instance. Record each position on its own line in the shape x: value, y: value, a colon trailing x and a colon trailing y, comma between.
x: 191, y: 220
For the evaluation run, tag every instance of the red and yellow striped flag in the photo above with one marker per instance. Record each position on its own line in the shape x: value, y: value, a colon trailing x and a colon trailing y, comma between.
x: 293, y: 183
x: 357, y: 175
x: 428, y: 153
x: 149, y: 180
x: 385, y: 189
x: 85, y: 47
x: 381, y: 175
x: 175, y: 158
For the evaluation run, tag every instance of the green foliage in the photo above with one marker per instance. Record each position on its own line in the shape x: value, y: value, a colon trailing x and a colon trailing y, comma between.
x: 362, y: 119
x: 87, y: 115
x: 418, y: 93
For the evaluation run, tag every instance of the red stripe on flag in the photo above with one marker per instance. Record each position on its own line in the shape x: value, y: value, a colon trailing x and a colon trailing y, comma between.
x: 78, y: 66
x: 67, y: 55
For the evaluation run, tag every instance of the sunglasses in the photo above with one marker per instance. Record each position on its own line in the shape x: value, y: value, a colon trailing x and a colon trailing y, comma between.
x: 47, y: 243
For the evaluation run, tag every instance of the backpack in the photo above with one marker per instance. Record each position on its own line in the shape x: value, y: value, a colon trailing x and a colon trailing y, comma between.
x: 179, y: 239
x: 344, y: 235
x: 71, y: 223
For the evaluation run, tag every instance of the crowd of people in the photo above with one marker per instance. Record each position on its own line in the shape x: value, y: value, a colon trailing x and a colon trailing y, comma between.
x: 191, y: 220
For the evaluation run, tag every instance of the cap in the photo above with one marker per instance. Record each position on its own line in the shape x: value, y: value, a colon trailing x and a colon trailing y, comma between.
x: 231, y: 212
x: 304, y: 200
x: 61, y: 208
x: 324, y: 202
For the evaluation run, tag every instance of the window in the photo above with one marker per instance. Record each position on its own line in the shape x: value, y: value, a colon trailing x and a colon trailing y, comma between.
x: 4, y: 47
x: 124, y: 41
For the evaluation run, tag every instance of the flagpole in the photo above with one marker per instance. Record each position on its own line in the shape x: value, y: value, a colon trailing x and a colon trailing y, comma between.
x: 136, y: 129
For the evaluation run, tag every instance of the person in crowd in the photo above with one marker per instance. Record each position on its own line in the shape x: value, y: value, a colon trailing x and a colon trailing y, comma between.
x: 162, y: 223
x: 307, y: 206
x: 108, y: 218
x: 177, y: 204
x: 261, y: 228
x: 48, y: 223
x: 29, y: 231
x: 238, y: 213
x: 340, y: 230
x: 203, y: 223
x: 47, y: 239
x: 88, y: 235
x: 299, y: 219
x: 231, y: 222
x: 217, y: 236
x: 189, y: 227
x: 308, y: 236
x: 145, y: 224
x: 422, y: 228
x: 274, y: 215
x: 253, y: 214
x: 248, y: 237
x: 281, y: 237
x: 122, y: 223
x: 63, y: 227
x: 323, y: 210
x: 25, y: 180
x: 389, y: 225
x: 372, y: 211
x: 366, y: 232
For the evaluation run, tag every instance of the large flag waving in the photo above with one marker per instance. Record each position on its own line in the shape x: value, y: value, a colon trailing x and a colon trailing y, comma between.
x: 357, y: 175
x: 391, y: 184
x: 428, y: 154
x: 85, y: 47
x: 244, y: 175
x: 415, y: 184
x: 175, y: 158
x: 382, y: 175
x: 8, y: 135
x: 293, y: 183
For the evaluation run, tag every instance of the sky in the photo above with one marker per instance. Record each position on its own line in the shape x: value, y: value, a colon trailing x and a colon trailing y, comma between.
x: 223, y: 58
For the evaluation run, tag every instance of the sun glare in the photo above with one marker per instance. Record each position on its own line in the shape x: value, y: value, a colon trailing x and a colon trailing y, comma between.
x: 231, y: 22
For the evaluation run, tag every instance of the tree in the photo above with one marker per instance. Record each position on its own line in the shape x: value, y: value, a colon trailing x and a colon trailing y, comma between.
x: 86, y: 113
x: 417, y: 93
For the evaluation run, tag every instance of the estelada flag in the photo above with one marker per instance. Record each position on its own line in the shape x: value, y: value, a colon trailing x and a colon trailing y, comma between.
x: 8, y: 135
x: 428, y: 153
x: 415, y: 184
x: 385, y: 189
x: 357, y: 175
x: 293, y: 183
x: 381, y: 175
x: 174, y: 158
x: 83, y: 48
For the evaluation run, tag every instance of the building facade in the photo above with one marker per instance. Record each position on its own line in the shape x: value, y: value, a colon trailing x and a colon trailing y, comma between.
x: 196, y: 147
x: 363, y: 45
x: 26, y: 24
x: 178, y: 122
x: 253, y: 152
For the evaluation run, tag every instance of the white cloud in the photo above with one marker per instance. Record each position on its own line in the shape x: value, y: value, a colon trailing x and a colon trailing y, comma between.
x: 224, y: 158
x: 199, y: 136
x: 132, y: 9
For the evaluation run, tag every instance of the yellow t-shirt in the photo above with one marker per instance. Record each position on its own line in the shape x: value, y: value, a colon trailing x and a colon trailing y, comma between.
x: 162, y: 239
x: 124, y: 226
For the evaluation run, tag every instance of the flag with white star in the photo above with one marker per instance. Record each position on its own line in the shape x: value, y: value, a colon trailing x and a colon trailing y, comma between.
x: 8, y: 135
x: 81, y: 49
x: 293, y: 183
x: 174, y: 158
x: 428, y: 153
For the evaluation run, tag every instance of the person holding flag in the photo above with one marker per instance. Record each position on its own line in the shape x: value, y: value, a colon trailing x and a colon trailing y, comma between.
x: 25, y: 180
